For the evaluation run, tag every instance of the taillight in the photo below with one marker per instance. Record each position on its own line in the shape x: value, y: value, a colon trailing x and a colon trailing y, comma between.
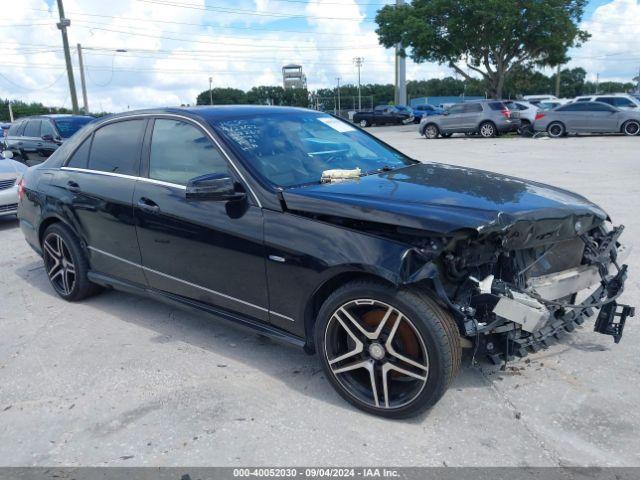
x: 539, y: 116
x: 21, y: 186
x: 506, y: 113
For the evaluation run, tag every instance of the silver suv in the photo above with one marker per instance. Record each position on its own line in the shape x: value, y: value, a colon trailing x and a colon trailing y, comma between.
x: 485, y: 117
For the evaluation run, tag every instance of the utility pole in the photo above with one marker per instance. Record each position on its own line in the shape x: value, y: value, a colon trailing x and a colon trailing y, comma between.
x: 210, y: 91
x: 638, y: 87
x: 85, y: 102
x: 338, y: 79
x: 10, y: 112
x: 401, y: 73
x: 558, y: 82
x: 597, y: 82
x: 358, y: 61
x: 62, y: 25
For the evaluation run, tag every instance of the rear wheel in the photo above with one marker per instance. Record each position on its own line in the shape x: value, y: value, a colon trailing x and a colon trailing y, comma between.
x: 65, y: 264
x: 431, y: 132
x: 631, y: 128
x: 446, y: 135
x: 388, y: 352
x: 556, y: 130
x: 364, y: 123
x: 487, y: 130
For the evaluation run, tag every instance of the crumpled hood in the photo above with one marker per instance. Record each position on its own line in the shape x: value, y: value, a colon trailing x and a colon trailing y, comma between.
x: 443, y: 198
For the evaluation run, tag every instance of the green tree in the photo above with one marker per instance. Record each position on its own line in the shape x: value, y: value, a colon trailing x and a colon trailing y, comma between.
x: 490, y: 37
x: 222, y: 96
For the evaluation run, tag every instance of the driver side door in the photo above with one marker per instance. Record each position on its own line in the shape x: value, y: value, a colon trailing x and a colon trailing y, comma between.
x: 207, y: 250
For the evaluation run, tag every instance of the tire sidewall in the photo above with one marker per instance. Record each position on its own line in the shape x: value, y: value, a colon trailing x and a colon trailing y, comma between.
x: 626, y: 124
x: 436, y: 350
x: 82, y: 287
x: 493, y: 130
x: 551, y: 125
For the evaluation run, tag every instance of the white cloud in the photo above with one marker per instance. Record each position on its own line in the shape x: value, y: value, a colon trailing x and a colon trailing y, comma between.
x: 613, y: 48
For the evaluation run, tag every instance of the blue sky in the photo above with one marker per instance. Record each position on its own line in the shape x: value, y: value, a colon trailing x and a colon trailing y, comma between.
x: 174, y: 46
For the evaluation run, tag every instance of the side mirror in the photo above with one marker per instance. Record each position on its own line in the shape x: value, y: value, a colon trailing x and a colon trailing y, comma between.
x: 8, y: 154
x: 213, y: 186
x: 47, y: 138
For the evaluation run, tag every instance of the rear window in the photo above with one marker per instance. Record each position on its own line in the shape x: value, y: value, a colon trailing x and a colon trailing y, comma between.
x: 497, y: 106
x: 116, y: 147
x: 69, y: 126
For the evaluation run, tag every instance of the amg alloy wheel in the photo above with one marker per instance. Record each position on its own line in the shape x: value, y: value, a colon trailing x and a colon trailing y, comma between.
x: 59, y: 264
x: 631, y: 128
x: 488, y: 130
x: 388, y: 352
x: 65, y: 263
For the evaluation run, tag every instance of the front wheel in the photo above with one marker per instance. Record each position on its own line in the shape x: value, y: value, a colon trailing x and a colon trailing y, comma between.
x: 389, y: 352
x: 431, y: 132
x: 631, y: 128
x: 364, y: 123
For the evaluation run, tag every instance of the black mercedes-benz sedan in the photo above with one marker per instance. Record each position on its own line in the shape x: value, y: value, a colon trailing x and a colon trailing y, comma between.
x: 308, y: 229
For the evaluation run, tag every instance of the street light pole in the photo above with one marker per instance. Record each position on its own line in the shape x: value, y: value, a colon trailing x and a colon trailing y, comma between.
x: 358, y: 61
x: 62, y: 25
x: 210, y: 91
x: 401, y: 72
x: 82, y: 82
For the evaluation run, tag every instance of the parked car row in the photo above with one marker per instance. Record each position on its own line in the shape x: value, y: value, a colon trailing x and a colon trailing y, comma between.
x: 617, y: 113
x: 32, y: 139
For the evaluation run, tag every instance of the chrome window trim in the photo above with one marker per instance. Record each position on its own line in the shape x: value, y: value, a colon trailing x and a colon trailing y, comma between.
x: 120, y: 175
x: 224, y: 295
x: 188, y: 119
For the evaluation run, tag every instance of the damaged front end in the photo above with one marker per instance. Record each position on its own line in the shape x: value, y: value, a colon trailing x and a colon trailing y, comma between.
x: 515, y: 290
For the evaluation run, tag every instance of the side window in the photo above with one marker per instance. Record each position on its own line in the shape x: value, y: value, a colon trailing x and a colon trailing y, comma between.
x: 574, y: 107
x: 47, y: 129
x: 609, y: 100
x: 32, y: 129
x: 80, y: 157
x: 180, y: 152
x: 116, y: 147
x: 497, y: 106
x: 456, y: 109
x: 472, y: 108
x: 623, y: 102
x: 585, y: 99
x: 597, y: 107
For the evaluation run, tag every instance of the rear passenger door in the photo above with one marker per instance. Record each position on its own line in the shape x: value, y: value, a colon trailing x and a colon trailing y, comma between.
x: 472, y: 116
x: 99, y: 178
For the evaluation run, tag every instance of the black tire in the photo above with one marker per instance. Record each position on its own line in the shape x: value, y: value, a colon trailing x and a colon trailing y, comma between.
x: 69, y: 286
x: 487, y: 130
x: 364, y: 123
x: 431, y: 131
x: 433, y: 327
x: 446, y: 135
x: 631, y: 128
x: 556, y: 130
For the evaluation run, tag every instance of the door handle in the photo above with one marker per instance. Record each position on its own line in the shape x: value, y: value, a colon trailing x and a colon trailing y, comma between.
x: 73, y: 186
x: 148, y: 205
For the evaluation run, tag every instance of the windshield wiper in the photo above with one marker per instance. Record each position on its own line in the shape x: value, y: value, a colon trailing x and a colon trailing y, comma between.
x: 385, y: 168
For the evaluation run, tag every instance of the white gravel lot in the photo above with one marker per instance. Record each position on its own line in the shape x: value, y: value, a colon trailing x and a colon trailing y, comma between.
x: 121, y: 380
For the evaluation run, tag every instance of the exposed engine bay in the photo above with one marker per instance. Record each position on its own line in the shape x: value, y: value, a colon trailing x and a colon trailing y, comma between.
x: 514, y: 294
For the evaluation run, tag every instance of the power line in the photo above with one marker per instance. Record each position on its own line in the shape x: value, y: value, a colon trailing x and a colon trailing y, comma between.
x: 170, y: 3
